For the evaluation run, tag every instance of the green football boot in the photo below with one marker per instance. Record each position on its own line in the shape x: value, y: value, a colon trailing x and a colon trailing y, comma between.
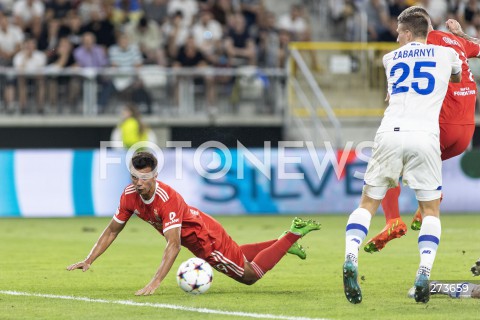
x: 302, y: 227
x: 296, y: 249
x: 416, y: 225
x: 417, y: 221
x: 350, y: 283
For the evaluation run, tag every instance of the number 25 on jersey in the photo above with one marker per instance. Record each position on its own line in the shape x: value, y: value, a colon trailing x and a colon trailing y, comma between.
x: 417, y: 74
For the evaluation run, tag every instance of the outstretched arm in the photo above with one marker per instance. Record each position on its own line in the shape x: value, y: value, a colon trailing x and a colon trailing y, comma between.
x: 169, y: 255
x: 107, y: 237
x: 455, y: 28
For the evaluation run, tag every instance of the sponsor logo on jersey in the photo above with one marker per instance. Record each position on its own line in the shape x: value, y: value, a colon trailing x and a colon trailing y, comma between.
x: 194, y: 212
x: 451, y: 42
x: 464, y: 92
x: 173, y: 220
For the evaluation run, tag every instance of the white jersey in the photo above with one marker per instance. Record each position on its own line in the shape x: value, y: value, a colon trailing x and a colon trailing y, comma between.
x: 417, y: 76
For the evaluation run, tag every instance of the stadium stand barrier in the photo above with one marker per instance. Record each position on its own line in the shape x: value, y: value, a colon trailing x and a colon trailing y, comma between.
x: 240, y: 90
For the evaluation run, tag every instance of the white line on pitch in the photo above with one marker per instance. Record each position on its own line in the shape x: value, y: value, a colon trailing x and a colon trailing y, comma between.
x: 158, y: 305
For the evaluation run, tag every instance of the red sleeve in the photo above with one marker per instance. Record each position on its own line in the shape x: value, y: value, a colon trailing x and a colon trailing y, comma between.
x: 471, y: 49
x: 172, y: 214
x: 123, y: 213
x: 432, y: 38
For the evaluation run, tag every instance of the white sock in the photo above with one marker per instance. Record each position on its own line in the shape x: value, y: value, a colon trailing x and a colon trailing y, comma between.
x: 428, y: 241
x: 356, y: 231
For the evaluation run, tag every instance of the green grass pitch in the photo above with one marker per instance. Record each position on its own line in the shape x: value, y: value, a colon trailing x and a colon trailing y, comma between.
x: 35, y: 252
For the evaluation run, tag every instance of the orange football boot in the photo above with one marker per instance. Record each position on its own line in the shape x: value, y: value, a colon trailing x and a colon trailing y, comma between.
x: 395, y: 228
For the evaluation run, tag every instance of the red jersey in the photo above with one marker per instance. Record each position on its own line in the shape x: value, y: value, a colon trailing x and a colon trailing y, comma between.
x: 167, y: 210
x: 459, y: 104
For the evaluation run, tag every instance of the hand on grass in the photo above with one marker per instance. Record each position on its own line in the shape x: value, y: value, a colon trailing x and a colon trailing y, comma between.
x: 79, y: 265
x: 149, y: 289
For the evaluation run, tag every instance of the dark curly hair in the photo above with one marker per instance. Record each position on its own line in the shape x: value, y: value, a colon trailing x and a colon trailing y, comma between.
x: 142, y: 160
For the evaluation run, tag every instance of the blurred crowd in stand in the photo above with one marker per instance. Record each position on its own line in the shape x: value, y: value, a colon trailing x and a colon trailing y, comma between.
x: 376, y: 20
x: 61, y: 35
x: 379, y: 17
x: 127, y: 34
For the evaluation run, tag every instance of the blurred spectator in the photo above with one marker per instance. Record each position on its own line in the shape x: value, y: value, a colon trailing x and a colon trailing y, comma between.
x: 345, y: 18
x: 251, y: 10
x: 239, y: 45
x: 437, y: 10
x: 62, y: 58
x: 132, y: 129
x: 87, y: 8
x: 378, y: 18
x: 102, y: 28
x: 25, y: 10
x: 29, y: 59
x: 467, y: 11
x: 268, y: 41
x: 221, y: 10
x: 12, y: 38
x: 473, y: 29
x: 176, y: 33
x: 127, y: 56
x: 72, y: 29
x: 272, y: 43
x: 156, y: 10
x: 390, y: 34
x: 147, y: 36
x: 57, y: 9
x: 205, y: 4
x: 207, y: 33
x: 125, y: 11
x: 190, y: 56
x: 395, y: 7
x: 45, y: 33
x: 52, y: 36
x: 6, y: 6
x: 188, y: 8
x: 452, y: 6
x: 283, y: 51
x: 295, y: 23
x: 91, y: 55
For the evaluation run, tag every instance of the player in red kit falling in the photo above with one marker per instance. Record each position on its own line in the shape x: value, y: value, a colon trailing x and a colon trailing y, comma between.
x: 457, y: 125
x: 183, y: 225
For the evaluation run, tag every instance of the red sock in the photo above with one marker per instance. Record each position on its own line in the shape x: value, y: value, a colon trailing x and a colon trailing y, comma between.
x: 251, y: 250
x: 390, y: 203
x: 269, y: 257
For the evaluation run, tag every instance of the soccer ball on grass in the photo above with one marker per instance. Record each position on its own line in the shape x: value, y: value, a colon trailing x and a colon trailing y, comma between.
x: 194, y: 276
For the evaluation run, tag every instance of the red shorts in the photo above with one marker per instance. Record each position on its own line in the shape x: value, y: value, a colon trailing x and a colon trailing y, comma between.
x: 227, y: 257
x: 455, y: 138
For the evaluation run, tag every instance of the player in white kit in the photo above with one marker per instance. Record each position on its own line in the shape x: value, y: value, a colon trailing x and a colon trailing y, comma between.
x: 407, y: 144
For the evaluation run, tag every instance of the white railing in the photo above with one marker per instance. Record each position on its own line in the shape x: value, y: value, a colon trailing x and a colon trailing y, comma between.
x: 313, y: 102
x: 180, y: 90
